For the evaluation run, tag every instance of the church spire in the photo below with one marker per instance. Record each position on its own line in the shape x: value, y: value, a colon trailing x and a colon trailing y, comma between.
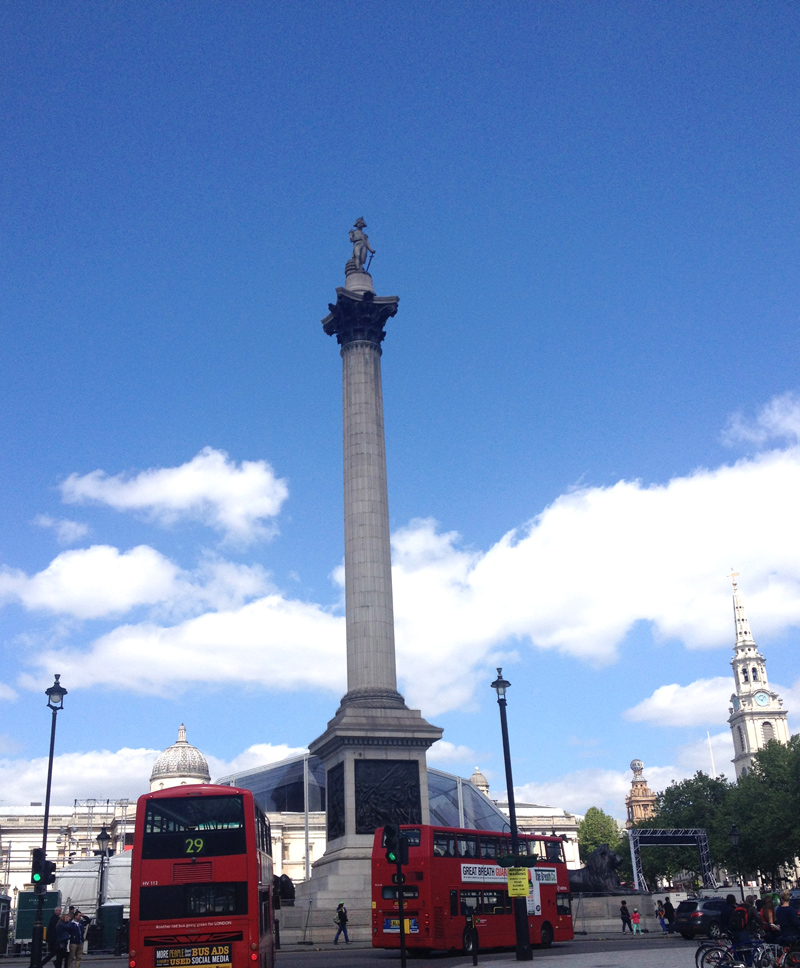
x: 757, y: 715
x: 744, y: 637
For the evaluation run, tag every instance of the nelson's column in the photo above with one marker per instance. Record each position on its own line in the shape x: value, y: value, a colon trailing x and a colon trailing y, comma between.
x: 374, y: 747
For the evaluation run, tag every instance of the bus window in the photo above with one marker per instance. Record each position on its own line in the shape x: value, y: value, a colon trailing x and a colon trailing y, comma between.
x: 555, y: 852
x: 495, y: 902
x: 490, y: 847
x: 537, y: 849
x: 453, y: 904
x: 444, y: 844
x: 468, y: 846
x: 562, y: 904
x: 389, y: 893
x: 193, y: 827
x: 470, y: 902
x: 412, y: 835
x: 178, y: 901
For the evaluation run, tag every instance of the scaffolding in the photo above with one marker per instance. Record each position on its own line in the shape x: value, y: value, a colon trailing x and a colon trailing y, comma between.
x: 108, y: 812
x: 686, y: 837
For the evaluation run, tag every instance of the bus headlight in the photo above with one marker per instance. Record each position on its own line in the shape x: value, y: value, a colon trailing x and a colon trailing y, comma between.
x: 254, y: 946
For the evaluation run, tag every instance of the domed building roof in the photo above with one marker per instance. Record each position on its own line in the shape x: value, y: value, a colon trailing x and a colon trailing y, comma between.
x: 480, y: 781
x: 180, y: 764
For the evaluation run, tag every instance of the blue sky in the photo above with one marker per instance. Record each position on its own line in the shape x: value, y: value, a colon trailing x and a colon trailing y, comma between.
x: 590, y: 214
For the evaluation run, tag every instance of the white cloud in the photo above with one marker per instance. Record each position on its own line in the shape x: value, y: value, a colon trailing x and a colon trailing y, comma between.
x: 596, y: 562
x: 254, y: 756
x: 101, y: 581
x: 98, y: 774
x: 67, y: 532
x: 576, y: 792
x: 607, y: 789
x: 443, y: 751
x: 7, y: 693
x: 93, y: 582
x: 778, y: 420
x: 701, y: 702
x: 576, y: 579
x: 270, y: 643
x: 234, y: 500
x: 112, y: 774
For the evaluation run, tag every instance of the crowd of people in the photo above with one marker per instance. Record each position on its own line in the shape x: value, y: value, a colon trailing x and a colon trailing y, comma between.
x: 66, y: 933
x: 770, y: 917
x: 760, y: 918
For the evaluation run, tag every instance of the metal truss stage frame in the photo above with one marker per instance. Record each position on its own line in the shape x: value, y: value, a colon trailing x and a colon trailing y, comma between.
x: 688, y: 837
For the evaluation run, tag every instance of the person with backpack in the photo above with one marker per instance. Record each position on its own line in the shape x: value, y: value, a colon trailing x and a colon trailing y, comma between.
x: 669, y: 914
x: 340, y: 918
x: 740, y: 921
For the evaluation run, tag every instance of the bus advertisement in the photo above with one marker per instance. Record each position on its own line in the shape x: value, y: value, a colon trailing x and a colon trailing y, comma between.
x: 453, y: 875
x: 201, y: 880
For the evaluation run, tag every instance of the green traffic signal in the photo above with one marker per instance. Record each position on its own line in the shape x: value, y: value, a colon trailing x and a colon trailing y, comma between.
x: 391, y: 838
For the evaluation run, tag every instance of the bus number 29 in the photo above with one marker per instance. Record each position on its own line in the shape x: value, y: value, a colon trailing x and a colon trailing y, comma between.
x: 194, y: 845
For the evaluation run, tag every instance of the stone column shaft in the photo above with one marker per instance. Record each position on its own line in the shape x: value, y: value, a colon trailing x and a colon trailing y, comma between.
x: 368, y: 566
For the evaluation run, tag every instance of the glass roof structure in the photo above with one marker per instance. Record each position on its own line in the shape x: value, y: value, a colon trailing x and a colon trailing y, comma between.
x: 297, y: 785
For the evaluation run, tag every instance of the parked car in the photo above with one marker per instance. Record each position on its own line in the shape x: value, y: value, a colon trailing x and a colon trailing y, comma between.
x: 700, y: 916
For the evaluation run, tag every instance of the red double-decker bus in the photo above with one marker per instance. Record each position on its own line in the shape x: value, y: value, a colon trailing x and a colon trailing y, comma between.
x: 201, y: 880
x: 453, y: 874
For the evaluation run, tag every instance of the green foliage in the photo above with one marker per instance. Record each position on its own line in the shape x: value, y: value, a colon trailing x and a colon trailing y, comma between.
x: 763, y: 805
x: 597, y: 828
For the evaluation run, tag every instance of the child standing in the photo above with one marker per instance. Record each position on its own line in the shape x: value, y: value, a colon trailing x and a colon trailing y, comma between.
x: 635, y: 917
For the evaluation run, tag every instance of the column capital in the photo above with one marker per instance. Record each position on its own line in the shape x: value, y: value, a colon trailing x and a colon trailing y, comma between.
x: 359, y: 316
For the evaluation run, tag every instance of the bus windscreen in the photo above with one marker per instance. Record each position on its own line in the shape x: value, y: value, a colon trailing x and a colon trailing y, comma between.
x: 193, y: 827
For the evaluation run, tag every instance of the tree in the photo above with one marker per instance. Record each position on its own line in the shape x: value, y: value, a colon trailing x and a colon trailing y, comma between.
x: 597, y: 828
x: 764, y: 808
x: 701, y: 801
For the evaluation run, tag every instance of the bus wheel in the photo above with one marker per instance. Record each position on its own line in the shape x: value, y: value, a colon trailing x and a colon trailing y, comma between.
x: 469, y: 941
x: 547, y: 935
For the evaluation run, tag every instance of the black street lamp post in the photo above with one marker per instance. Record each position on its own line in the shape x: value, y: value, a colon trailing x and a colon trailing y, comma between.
x: 103, y: 840
x: 55, y: 701
x: 524, y: 952
x: 734, y: 836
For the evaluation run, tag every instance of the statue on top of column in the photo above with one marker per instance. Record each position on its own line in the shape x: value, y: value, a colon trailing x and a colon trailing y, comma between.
x: 361, y: 247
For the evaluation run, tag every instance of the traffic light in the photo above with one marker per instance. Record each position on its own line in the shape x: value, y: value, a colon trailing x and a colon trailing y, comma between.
x: 403, y: 845
x: 49, y: 874
x: 391, y: 841
x: 37, y: 870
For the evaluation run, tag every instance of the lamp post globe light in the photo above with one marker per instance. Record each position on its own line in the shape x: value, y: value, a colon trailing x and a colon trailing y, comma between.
x: 55, y: 702
x: 524, y: 952
x: 734, y: 837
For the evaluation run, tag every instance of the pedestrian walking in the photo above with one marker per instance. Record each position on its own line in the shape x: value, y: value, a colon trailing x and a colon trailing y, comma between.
x: 340, y: 918
x: 635, y: 918
x: 625, y: 914
x: 76, y: 929
x: 669, y: 914
x: 662, y: 918
x: 63, y: 933
x: 52, y: 941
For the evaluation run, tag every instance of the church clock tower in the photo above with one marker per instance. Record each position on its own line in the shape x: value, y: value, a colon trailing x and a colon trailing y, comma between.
x: 756, y: 712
